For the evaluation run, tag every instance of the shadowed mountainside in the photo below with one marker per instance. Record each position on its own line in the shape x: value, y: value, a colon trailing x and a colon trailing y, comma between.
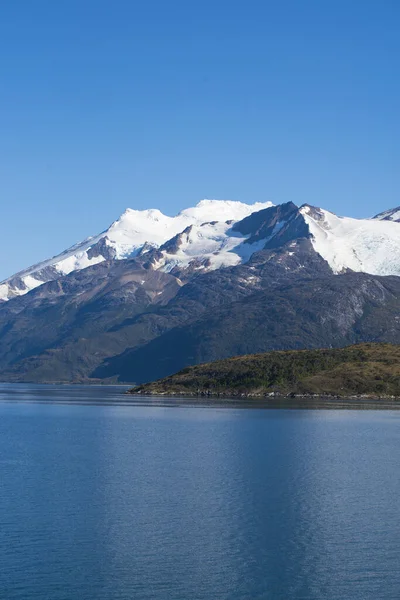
x: 326, y: 311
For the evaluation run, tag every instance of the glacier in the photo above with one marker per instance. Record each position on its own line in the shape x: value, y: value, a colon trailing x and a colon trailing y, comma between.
x: 205, y: 237
x: 125, y: 238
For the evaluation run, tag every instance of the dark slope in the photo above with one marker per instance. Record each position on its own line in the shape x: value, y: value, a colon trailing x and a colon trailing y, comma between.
x: 309, y: 313
x: 366, y: 369
x: 218, y: 290
x: 66, y: 337
x: 72, y: 314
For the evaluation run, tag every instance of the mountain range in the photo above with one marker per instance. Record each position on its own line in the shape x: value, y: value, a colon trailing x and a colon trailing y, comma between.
x: 153, y: 294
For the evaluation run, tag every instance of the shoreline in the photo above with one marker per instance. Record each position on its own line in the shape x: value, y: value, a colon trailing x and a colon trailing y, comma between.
x: 266, y: 396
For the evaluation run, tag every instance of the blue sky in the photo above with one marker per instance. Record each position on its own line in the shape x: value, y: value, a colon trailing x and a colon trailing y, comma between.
x: 108, y: 104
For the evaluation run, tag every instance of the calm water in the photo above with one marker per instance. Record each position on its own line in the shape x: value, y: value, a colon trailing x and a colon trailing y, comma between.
x: 150, y: 502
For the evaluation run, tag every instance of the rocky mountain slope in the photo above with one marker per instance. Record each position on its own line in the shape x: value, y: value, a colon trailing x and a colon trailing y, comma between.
x: 327, y: 311
x: 393, y: 214
x: 280, y: 277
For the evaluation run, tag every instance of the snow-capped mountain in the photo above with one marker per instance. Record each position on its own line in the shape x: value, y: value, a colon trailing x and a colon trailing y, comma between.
x: 218, y: 233
x: 346, y: 244
x: 361, y: 245
x: 134, y: 231
x: 219, y: 279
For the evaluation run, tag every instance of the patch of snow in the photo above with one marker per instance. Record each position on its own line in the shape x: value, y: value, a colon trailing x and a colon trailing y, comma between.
x: 77, y: 262
x: 252, y: 280
x: 215, y: 245
x: 366, y: 245
x: 31, y: 283
x: 4, y: 292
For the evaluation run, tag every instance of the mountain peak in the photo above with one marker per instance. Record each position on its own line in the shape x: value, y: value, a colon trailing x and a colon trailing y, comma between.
x: 221, y: 233
x: 124, y: 239
x: 392, y: 214
x: 221, y: 210
x: 149, y: 212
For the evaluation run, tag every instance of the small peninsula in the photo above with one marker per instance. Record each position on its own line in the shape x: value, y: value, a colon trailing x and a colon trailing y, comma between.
x: 365, y: 370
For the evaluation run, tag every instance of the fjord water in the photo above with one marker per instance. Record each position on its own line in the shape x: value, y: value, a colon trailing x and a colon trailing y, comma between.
x: 103, y: 501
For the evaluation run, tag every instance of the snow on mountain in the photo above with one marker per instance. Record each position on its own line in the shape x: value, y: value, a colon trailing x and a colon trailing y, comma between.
x: 221, y: 210
x: 73, y: 259
x: 366, y: 245
x: 221, y: 233
x: 206, y: 247
x: 135, y: 228
x: 124, y: 239
x: 219, y: 244
x: 392, y: 214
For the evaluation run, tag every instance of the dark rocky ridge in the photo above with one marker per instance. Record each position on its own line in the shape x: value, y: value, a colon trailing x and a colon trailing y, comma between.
x: 55, y: 333
x: 261, y: 225
x: 387, y: 215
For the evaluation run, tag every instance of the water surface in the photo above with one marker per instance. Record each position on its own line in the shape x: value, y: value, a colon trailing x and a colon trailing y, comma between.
x: 119, y: 501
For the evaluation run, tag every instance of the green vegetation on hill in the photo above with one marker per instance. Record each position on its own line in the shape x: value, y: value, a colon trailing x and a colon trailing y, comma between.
x: 364, y: 369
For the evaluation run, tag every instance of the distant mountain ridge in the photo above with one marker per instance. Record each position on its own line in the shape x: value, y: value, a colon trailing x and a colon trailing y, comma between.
x: 207, y: 237
x: 221, y: 279
x: 134, y: 231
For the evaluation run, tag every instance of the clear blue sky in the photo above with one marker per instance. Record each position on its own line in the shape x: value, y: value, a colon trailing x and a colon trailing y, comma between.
x: 108, y: 104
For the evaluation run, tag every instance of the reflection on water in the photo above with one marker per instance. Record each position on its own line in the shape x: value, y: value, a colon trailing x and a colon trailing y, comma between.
x: 118, y: 396
x: 150, y: 502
